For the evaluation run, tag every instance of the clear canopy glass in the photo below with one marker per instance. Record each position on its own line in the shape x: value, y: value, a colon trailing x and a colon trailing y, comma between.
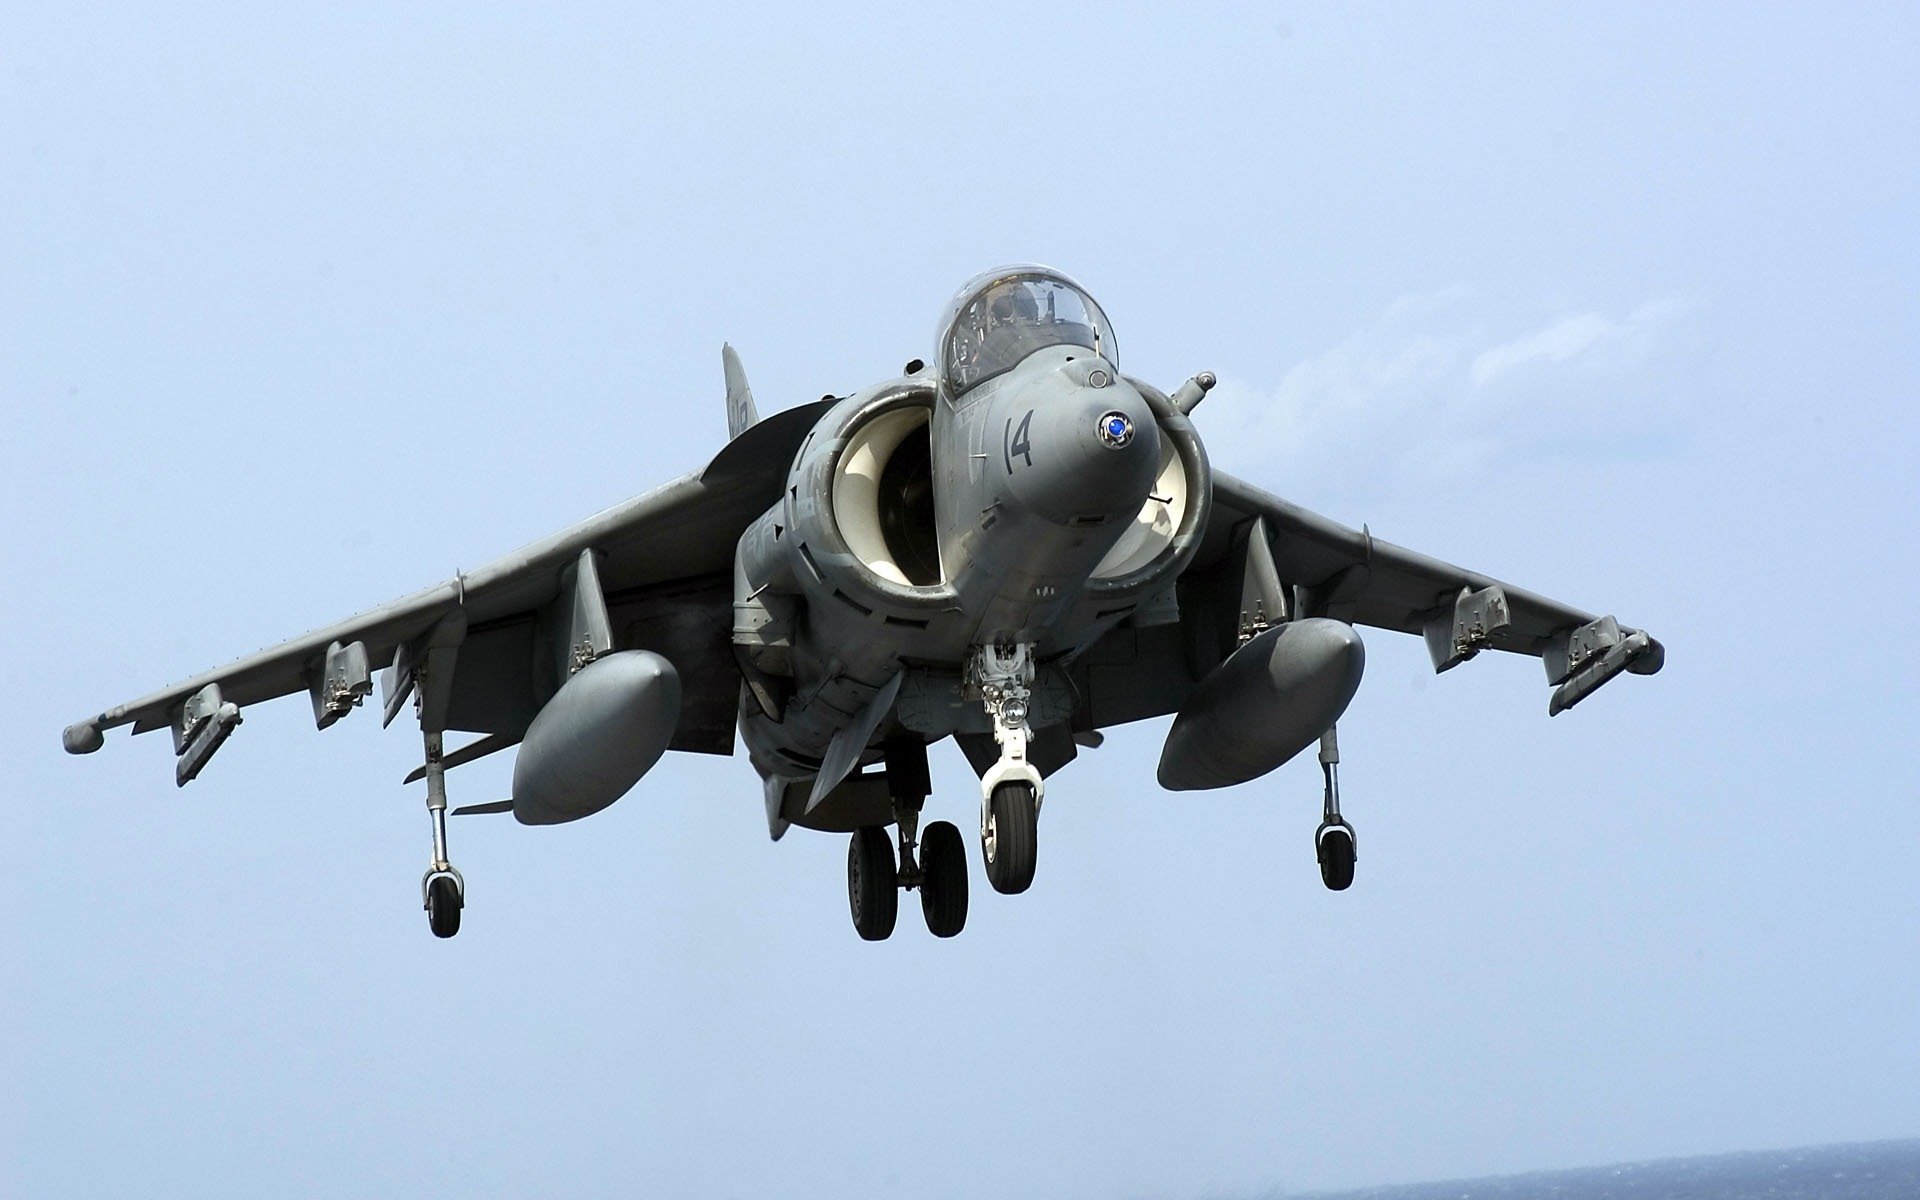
x: 1001, y: 318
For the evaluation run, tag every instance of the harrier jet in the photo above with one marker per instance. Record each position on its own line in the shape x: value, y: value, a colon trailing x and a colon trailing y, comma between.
x: 1015, y: 547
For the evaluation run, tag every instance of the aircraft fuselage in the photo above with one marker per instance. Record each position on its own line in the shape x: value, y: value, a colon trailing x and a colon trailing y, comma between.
x: 918, y: 527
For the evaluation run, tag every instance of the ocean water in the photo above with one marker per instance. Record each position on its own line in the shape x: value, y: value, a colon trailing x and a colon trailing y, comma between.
x: 1864, y: 1171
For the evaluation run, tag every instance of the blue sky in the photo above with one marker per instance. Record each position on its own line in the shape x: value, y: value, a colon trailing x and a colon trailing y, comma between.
x: 303, y: 309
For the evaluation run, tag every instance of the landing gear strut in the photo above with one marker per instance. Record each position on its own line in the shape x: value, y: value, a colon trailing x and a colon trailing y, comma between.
x: 443, y: 893
x: 1333, y: 842
x: 1011, y: 791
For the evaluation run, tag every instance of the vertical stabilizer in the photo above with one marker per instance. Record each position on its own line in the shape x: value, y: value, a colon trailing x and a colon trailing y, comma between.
x: 740, y: 413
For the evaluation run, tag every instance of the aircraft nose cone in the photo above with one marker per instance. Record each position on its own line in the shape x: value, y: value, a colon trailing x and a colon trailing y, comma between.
x: 1090, y: 455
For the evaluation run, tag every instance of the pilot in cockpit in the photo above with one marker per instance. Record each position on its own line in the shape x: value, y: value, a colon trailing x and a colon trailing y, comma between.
x: 1000, y: 325
x: 1010, y: 304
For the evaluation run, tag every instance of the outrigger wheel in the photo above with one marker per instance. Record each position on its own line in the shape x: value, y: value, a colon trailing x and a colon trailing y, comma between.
x: 445, y: 899
x: 1011, y: 839
x: 873, y: 883
x: 1333, y: 845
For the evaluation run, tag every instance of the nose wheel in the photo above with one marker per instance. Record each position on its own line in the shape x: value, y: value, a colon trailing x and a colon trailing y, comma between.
x: 1334, y: 846
x: 1010, y: 837
x: 1333, y: 842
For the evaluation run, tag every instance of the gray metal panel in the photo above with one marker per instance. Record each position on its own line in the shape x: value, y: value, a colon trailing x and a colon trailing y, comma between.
x: 844, y: 752
x: 493, y: 690
x: 689, y: 623
x: 859, y: 800
x: 1132, y: 674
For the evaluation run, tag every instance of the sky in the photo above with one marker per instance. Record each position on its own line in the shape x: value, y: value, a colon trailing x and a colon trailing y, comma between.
x: 303, y: 307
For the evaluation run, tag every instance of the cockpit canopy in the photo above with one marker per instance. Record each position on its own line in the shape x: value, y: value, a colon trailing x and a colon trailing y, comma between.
x: 1001, y: 317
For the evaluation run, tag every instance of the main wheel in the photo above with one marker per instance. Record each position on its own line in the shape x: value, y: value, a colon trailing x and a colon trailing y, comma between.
x: 943, y: 883
x: 873, y: 883
x: 1335, y: 848
x: 443, y: 906
x: 1011, y: 840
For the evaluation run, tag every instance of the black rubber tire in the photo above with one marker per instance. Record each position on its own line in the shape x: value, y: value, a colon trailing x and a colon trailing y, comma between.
x: 1336, y: 852
x: 873, y: 883
x: 943, y: 882
x: 443, y: 907
x: 1013, y: 846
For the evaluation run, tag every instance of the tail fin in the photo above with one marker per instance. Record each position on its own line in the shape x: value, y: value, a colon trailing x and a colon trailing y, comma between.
x: 740, y: 411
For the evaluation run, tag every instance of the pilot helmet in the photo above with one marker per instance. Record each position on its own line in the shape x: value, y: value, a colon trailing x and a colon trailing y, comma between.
x: 1012, y: 302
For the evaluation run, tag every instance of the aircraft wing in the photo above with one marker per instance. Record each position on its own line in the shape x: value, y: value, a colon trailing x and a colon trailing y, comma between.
x: 1313, y: 566
x: 1354, y: 576
x: 664, y: 562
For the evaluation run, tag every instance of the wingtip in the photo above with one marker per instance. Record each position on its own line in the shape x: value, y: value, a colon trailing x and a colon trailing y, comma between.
x: 1652, y: 659
x: 82, y: 737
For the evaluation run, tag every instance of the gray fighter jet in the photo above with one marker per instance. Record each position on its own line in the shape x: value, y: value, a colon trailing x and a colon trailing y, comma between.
x: 1016, y: 548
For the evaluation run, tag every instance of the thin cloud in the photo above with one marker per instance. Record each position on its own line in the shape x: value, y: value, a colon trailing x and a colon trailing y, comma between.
x: 1556, y: 343
x: 1430, y: 390
x: 1581, y: 336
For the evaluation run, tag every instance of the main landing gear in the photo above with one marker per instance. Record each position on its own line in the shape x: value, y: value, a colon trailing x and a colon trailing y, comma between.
x: 873, y: 889
x: 1011, y: 790
x: 938, y: 869
x: 1333, y: 842
x: 874, y: 883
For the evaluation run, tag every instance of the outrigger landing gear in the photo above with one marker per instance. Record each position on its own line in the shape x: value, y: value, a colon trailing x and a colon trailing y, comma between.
x: 1333, y: 842
x: 443, y: 893
x: 1011, y: 791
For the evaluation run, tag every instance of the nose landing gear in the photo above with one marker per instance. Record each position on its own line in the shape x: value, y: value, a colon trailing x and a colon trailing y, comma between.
x: 1011, y: 791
